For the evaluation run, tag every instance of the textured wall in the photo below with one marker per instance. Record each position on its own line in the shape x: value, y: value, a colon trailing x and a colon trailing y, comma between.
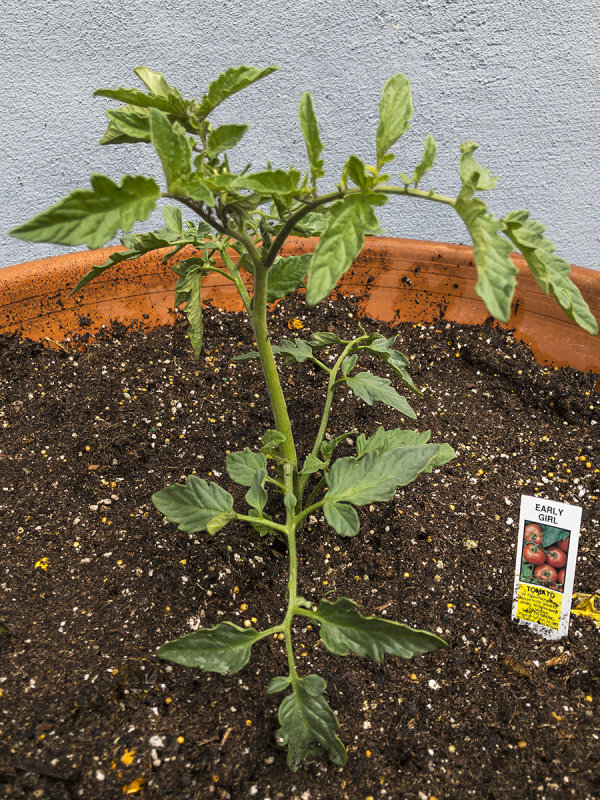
x: 522, y: 81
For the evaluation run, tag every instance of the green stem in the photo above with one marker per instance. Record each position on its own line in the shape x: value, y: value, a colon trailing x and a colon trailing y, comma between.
x: 292, y: 588
x: 331, y: 386
x: 278, y: 404
x: 266, y: 522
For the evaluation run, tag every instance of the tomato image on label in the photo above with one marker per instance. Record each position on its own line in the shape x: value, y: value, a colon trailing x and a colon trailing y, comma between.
x: 545, y: 573
x: 564, y: 544
x: 556, y: 557
x: 534, y: 554
x: 533, y: 533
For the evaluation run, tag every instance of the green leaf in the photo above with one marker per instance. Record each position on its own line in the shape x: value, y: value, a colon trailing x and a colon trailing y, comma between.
x: 472, y: 174
x: 445, y: 454
x: 552, y: 535
x: 341, y: 241
x: 193, y: 312
x: 348, y: 364
x: 286, y: 275
x: 271, y: 440
x: 551, y: 272
x: 93, y: 217
x: 395, y: 112
x: 308, y: 725
x: 193, y: 505
x: 242, y: 465
x: 195, y: 187
x: 218, y: 522
x: 383, y: 441
x: 127, y: 125
x: 427, y: 160
x: 342, y: 518
x: 383, y: 349
x: 225, y: 648
x: 310, y: 131
x: 345, y: 630
x: 371, y: 388
x: 278, y: 684
x: 174, y: 220
x: 298, y: 350
x: 320, y: 339
x: 328, y: 446
x: 289, y: 501
x: 311, y: 465
x: 256, y: 496
x: 355, y: 170
x: 270, y: 182
x: 225, y: 137
x: 496, y: 273
x: 173, y: 146
x: 374, y: 478
x: 229, y: 82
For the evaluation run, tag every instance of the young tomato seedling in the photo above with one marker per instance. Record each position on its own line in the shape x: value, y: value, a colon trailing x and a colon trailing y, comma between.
x: 242, y: 221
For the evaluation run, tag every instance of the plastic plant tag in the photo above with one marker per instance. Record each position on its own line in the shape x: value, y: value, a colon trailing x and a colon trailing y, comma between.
x: 545, y: 567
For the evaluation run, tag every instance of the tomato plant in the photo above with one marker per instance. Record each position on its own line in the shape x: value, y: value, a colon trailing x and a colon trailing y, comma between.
x: 533, y: 533
x: 545, y: 573
x: 556, y: 557
x: 534, y: 554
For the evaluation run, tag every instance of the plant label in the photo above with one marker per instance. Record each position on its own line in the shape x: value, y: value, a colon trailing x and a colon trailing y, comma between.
x: 545, y: 568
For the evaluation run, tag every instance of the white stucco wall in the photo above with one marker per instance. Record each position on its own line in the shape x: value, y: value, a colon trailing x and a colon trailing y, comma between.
x: 522, y: 80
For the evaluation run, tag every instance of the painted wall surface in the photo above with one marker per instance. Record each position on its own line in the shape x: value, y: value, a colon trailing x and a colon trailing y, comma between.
x: 522, y: 80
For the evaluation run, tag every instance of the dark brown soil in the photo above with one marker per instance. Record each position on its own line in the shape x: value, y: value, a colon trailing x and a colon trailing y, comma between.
x: 93, y: 581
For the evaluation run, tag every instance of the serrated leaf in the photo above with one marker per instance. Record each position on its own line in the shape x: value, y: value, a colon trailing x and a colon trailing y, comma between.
x: 271, y: 440
x: 383, y: 349
x: 427, y: 160
x: 286, y: 275
x: 328, y: 446
x: 174, y: 220
x: 127, y: 125
x: 242, y: 465
x: 278, y: 684
x: 383, y: 441
x: 93, y: 217
x: 195, y: 187
x: 160, y: 95
x: 270, y: 182
x: 308, y: 725
x: 311, y: 465
x: 193, y: 312
x: 298, y: 350
x: 256, y: 496
x: 395, y: 112
x: 371, y: 388
x: 345, y: 630
x: 310, y: 131
x: 496, y: 273
x: 341, y: 241
x: 173, y: 146
x: 225, y: 648
x: 225, y: 137
x: 472, y: 174
x: 374, y: 478
x: 551, y: 272
x: 342, y: 518
x: 229, y: 82
x: 194, y: 504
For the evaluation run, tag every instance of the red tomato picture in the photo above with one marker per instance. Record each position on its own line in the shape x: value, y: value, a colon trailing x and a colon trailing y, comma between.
x: 534, y: 554
x: 561, y: 576
x: 556, y: 557
x: 545, y: 573
x: 564, y: 544
x: 533, y: 533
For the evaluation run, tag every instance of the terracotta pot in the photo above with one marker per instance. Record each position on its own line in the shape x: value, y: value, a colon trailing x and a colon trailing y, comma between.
x: 392, y: 280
